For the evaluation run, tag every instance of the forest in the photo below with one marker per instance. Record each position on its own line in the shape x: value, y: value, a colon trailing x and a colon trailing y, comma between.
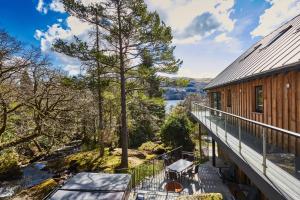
x: 116, y: 102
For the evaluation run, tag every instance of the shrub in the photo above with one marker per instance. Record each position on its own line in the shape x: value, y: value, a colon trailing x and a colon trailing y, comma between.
x: 152, y: 147
x: 9, y: 165
x: 177, y: 129
x: 205, y: 196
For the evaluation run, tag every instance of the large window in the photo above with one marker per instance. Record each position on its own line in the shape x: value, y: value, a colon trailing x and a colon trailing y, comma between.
x: 216, y: 100
x: 229, y: 98
x: 259, y: 99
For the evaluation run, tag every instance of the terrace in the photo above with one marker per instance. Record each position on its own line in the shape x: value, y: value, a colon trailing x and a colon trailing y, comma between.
x: 273, y: 168
x: 151, y: 180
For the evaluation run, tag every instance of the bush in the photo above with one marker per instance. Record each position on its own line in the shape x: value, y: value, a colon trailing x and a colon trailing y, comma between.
x: 9, y: 165
x: 205, y: 196
x: 152, y: 147
x: 177, y: 129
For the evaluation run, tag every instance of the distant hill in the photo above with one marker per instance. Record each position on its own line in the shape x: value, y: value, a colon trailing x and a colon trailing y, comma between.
x: 178, y: 88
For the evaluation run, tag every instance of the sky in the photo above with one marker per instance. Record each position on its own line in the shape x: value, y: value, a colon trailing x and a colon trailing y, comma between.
x: 208, y: 34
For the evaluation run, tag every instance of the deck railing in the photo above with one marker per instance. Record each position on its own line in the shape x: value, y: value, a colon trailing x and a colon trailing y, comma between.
x: 150, y: 174
x: 276, y: 145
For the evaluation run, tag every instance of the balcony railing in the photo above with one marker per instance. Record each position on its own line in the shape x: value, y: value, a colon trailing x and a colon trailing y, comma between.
x: 265, y: 147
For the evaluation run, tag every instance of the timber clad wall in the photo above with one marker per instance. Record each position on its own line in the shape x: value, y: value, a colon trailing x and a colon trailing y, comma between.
x: 281, y: 93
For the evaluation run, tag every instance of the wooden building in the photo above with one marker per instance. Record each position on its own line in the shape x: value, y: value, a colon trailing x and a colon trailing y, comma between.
x: 262, y: 85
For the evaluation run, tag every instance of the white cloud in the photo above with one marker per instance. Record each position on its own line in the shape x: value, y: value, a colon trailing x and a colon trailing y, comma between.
x: 57, y: 6
x: 223, y: 38
x: 41, y: 7
x: 72, y: 69
x: 57, y: 31
x: 279, y: 12
x: 189, y: 40
x: 189, y: 18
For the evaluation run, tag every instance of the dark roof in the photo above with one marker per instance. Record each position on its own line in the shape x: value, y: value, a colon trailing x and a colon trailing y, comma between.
x: 278, y: 50
x: 94, y: 186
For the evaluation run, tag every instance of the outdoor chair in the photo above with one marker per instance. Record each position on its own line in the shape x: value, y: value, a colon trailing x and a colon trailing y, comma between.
x: 188, y: 156
x: 192, y: 172
x: 172, y: 175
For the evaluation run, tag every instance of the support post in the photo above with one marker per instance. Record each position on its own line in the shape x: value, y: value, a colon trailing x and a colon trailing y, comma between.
x: 264, y: 151
x: 153, y: 171
x: 240, y: 136
x: 213, y: 153
x: 200, y: 141
x: 205, y: 116
x: 217, y: 123
x: 225, y: 127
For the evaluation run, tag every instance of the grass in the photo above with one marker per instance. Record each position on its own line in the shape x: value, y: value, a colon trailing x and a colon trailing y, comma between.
x: 90, y: 161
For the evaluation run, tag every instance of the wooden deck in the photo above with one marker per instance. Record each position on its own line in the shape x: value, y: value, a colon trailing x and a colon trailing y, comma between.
x: 281, y: 180
x: 206, y: 181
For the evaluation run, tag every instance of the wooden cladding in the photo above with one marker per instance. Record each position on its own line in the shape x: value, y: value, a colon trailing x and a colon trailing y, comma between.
x: 280, y: 105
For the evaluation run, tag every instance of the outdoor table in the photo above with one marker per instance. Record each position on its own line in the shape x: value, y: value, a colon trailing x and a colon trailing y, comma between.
x: 180, y: 165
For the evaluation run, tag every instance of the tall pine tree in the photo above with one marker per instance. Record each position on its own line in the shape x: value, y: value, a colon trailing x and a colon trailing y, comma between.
x: 128, y: 29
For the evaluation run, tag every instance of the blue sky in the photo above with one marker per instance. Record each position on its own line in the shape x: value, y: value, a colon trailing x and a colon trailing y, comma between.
x: 209, y: 34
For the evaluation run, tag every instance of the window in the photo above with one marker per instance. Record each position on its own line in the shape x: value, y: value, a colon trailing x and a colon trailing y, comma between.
x: 228, y: 98
x: 278, y: 36
x: 253, y: 50
x: 216, y: 100
x: 259, y: 100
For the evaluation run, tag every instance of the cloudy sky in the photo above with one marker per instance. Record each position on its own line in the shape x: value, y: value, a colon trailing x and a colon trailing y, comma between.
x: 209, y: 34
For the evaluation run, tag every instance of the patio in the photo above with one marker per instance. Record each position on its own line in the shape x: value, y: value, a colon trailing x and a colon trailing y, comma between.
x: 207, y: 180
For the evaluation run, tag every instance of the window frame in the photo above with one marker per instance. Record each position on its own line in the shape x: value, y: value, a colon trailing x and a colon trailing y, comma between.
x: 259, y: 99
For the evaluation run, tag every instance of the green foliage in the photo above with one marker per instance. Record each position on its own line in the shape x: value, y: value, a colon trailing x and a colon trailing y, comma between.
x: 153, y: 147
x: 176, y: 130
x: 205, y: 196
x: 146, y: 118
x: 175, y: 82
x: 9, y: 165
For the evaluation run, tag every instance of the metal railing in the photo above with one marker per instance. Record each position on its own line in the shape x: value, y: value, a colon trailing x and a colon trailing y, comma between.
x: 150, y: 175
x: 277, y: 145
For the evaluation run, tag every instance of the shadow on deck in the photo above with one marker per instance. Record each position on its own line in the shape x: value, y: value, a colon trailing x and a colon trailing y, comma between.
x: 206, y: 181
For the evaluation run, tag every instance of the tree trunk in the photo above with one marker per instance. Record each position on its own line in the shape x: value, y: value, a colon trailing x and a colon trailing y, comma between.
x: 124, y: 135
x: 100, y: 97
x: 4, y: 117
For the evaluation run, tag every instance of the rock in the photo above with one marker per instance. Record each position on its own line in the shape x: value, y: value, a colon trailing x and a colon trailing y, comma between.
x: 37, y: 192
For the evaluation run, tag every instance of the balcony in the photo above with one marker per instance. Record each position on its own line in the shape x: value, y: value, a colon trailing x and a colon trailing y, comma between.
x: 271, y: 167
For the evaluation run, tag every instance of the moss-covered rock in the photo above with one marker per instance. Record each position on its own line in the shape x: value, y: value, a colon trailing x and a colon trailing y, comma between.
x: 37, y: 192
x: 153, y: 148
x: 205, y: 196
x: 9, y: 165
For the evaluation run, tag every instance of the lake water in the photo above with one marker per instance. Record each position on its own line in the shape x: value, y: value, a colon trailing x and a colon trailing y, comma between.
x: 171, y: 104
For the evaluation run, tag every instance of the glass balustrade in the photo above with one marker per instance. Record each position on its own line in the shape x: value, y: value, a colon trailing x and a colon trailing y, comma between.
x: 275, y: 147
